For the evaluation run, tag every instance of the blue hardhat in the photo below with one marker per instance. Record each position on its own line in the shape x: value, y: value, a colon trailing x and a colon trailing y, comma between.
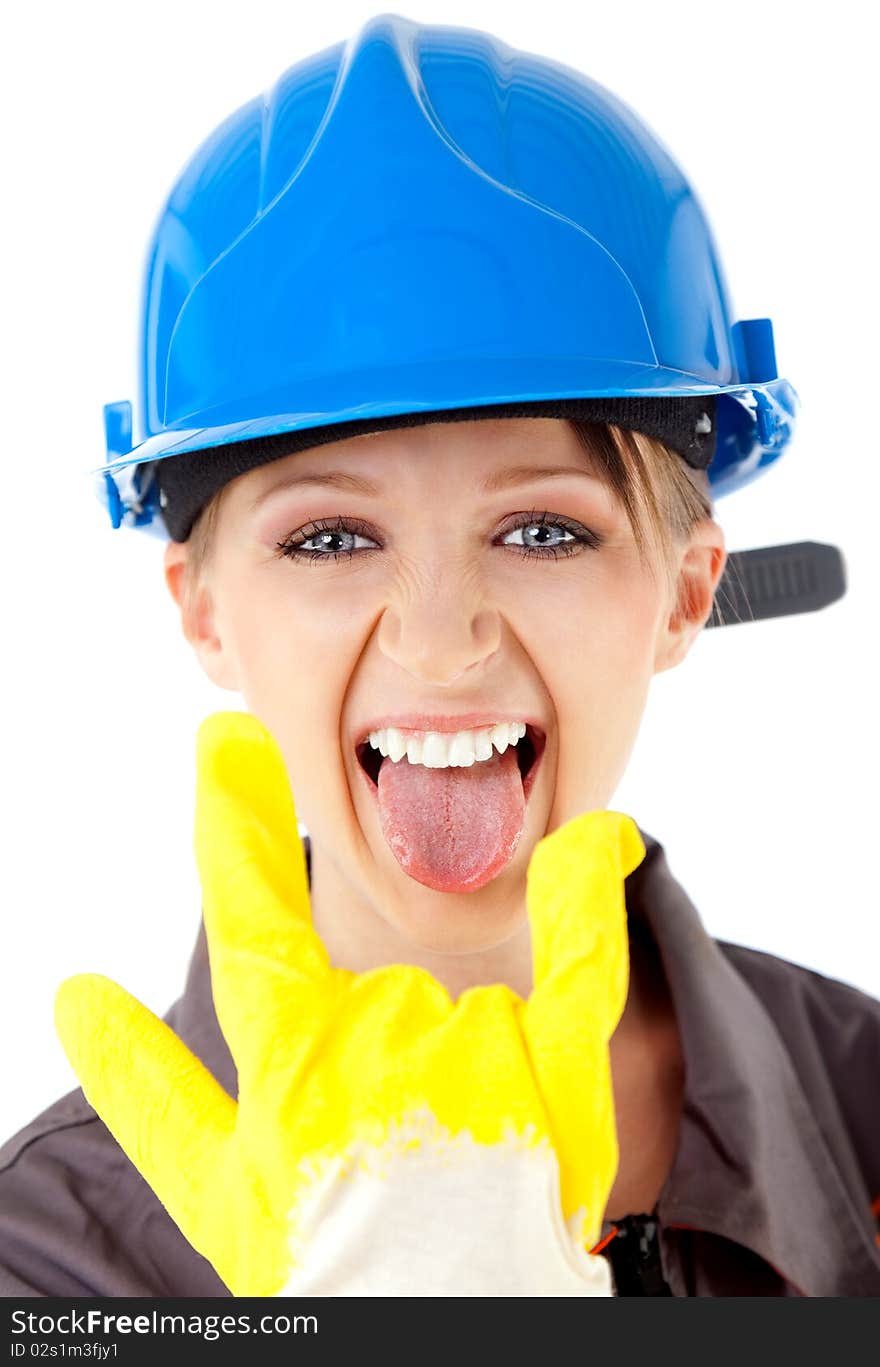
x: 423, y: 219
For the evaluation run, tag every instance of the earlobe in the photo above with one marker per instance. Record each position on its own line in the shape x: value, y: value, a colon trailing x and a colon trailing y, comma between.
x: 701, y: 568
x: 197, y: 619
x: 186, y: 596
x: 201, y: 630
x: 175, y: 566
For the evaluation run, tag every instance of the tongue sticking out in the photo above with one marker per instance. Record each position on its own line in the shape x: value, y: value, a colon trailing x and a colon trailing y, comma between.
x: 452, y: 829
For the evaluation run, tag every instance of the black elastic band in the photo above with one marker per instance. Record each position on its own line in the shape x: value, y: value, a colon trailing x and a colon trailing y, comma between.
x: 189, y: 481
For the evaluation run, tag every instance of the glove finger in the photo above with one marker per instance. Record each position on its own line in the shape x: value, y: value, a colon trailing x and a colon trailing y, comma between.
x: 263, y: 948
x: 580, y: 950
x: 576, y: 903
x: 166, y: 1111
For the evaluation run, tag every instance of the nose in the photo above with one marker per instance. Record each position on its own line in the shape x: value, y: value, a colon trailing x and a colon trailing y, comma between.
x: 438, y: 636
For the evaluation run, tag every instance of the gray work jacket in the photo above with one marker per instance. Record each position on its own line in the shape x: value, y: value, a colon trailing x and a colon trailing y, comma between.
x: 773, y: 1190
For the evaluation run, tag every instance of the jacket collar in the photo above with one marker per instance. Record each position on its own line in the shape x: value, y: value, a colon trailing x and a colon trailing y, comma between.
x: 751, y: 1164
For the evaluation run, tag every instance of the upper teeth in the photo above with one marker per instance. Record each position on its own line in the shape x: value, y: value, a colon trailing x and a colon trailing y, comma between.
x: 437, y: 750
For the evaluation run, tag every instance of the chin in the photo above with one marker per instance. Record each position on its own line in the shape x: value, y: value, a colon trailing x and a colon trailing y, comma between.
x: 454, y: 923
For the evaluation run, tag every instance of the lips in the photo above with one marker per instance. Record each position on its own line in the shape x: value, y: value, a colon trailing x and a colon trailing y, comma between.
x: 528, y: 756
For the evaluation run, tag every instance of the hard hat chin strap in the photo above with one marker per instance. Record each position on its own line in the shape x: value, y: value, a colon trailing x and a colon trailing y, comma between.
x: 777, y: 581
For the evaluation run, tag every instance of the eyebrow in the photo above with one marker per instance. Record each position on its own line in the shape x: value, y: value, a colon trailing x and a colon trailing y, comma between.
x: 526, y: 474
x: 502, y: 479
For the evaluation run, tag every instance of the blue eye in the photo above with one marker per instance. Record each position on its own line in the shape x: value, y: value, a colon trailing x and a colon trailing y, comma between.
x: 324, y: 534
x: 327, y: 534
x: 537, y: 525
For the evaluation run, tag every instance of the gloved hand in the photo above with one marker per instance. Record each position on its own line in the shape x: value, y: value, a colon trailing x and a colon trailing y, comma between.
x: 385, y: 1141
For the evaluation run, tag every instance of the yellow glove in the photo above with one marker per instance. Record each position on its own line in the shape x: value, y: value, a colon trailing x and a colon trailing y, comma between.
x: 385, y: 1141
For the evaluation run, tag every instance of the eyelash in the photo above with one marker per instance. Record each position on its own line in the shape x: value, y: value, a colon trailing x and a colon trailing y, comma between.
x: 292, y: 549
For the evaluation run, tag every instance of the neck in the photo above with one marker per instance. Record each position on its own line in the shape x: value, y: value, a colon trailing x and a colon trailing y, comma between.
x: 358, y: 938
x: 645, y: 1050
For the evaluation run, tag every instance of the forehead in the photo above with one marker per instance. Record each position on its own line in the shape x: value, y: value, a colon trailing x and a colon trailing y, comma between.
x: 486, y: 454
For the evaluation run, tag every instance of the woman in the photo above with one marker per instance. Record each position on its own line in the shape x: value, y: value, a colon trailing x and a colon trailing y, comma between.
x: 515, y: 333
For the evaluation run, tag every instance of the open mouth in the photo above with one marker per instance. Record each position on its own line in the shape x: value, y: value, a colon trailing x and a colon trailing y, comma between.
x: 528, y: 756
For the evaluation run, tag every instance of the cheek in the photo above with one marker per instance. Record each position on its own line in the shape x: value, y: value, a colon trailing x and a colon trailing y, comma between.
x: 298, y: 653
x: 597, y: 669
x: 594, y: 638
x: 289, y: 641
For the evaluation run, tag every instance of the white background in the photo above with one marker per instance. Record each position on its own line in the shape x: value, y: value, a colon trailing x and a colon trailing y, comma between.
x: 757, y: 759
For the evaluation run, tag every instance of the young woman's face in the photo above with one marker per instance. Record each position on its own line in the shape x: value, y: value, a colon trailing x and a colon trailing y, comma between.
x: 484, y: 571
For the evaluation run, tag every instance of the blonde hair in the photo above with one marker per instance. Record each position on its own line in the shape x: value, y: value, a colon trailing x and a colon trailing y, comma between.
x: 200, y: 545
x: 662, y: 496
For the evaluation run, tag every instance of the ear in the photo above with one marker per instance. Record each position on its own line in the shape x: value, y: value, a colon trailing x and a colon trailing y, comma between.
x: 700, y: 567
x: 198, y: 619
